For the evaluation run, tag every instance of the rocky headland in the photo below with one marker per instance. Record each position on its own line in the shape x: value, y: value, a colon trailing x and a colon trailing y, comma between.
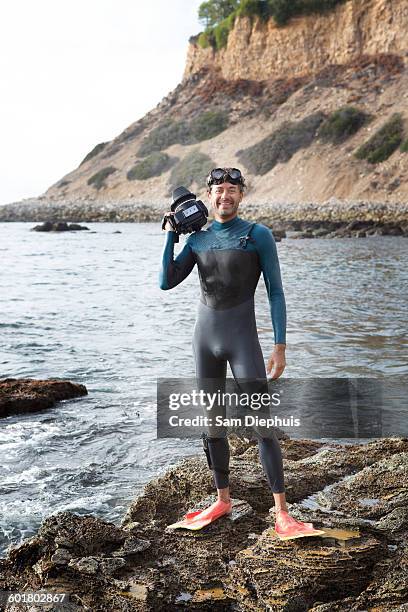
x: 236, y: 563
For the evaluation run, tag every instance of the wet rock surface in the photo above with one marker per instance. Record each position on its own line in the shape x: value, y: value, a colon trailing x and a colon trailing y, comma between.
x: 237, y: 563
x: 24, y: 395
x: 294, y: 574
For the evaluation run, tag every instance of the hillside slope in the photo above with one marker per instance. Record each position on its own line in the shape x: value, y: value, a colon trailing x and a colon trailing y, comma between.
x: 260, y: 104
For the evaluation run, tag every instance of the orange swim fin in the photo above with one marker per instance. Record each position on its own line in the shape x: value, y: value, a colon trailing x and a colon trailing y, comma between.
x: 191, y: 515
x: 201, y: 518
x: 288, y: 528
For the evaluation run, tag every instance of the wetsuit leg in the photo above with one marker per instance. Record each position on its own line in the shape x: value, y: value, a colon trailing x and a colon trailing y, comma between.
x: 248, y: 367
x: 211, y: 373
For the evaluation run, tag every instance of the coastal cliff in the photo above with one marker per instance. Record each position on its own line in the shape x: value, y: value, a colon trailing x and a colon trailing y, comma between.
x: 313, y: 112
x: 258, y: 50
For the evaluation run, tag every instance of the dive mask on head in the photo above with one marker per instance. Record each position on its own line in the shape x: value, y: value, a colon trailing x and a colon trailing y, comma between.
x: 225, y: 175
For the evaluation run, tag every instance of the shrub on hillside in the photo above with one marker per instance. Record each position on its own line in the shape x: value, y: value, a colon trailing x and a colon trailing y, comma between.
x: 282, y: 10
x: 314, y: 6
x: 153, y: 165
x: 133, y: 132
x: 218, y: 17
x: 404, y: 146
x: 384, y: 142
x: 281, y: 144
x: 63, y: 184
x: 222, y: 30
x: 112, y: 150
x: 193, y: 168
x: 206, y: 125
x: 206, y: 39
x: 341, y: 124
x: 253, y: 8
x: 95, y: 151
x: 98, y: 179
x: 164, y: 135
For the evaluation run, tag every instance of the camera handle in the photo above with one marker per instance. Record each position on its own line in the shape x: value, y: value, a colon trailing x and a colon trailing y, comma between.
x: 169, y: 218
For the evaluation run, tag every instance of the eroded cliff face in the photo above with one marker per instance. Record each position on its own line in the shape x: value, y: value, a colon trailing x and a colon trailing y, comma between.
x: 307, y: 44
x: 267, y: 78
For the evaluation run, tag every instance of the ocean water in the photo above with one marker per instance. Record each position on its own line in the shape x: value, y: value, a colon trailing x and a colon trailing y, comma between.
x: 86, y: 306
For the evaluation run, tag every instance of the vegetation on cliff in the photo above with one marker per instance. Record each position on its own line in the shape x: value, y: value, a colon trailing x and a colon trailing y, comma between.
x: 133, y: 131
x: 154, y: 165
x: 204, y: 126
x: 281, y: 144
x: 218, y: 16
x: 98, y: 179
x: 95, y: 151
x: 193, y: 168
x: 341, y: 124
x: 384, y: 142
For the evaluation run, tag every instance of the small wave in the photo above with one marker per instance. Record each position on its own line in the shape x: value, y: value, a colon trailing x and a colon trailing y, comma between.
x: 29, y: 476
x: 83, y: 504
x: 30, y: 432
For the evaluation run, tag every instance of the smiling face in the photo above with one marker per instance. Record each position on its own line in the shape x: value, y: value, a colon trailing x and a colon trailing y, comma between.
x: 225, y: 200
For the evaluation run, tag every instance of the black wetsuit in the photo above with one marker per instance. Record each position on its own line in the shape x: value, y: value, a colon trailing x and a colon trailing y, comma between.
x: 230, y: 257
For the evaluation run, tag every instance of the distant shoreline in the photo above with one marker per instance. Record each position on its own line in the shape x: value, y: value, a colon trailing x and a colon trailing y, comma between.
x: 331, y: 218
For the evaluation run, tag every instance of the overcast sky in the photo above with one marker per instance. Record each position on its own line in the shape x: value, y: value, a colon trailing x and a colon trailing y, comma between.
x: 75, y: 73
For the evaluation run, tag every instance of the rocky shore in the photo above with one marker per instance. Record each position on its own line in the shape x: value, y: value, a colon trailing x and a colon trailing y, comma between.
x: 24, y: 395
x: 333, y: 218
x: 237, y: 563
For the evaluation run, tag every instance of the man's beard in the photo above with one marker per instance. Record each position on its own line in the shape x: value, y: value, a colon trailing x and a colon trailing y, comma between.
x: 227, y: 212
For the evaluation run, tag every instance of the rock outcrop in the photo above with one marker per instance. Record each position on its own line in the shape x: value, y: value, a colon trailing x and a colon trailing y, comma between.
x: 21, y: 395
x: 237, y: 562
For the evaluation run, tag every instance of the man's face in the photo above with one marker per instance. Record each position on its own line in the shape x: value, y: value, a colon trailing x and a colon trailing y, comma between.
x: 225, y: 199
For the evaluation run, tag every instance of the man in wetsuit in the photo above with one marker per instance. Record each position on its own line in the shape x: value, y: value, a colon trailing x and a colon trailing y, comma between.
x: 230, y: 256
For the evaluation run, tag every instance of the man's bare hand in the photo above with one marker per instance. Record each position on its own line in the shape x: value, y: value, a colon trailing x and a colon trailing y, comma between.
x: 276, y: 362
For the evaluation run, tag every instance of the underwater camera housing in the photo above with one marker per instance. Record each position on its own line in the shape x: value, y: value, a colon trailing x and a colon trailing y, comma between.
x: 190, y: 214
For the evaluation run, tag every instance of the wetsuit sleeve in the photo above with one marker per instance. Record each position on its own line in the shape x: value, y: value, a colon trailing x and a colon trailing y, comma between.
x: 173, y: 271
x: 268, y: 256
